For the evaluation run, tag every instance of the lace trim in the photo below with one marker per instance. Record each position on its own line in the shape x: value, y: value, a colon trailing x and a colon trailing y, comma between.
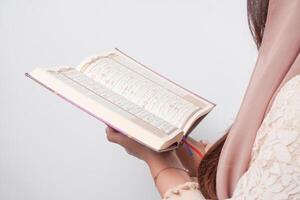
x: 176, y: 191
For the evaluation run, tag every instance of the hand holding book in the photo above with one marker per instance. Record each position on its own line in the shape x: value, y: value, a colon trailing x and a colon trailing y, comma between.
x: 189, y: 161
x: 131, y: 146
x: 180, y: 166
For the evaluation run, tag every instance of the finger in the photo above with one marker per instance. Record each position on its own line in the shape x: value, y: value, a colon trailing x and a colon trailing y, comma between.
x: 113, y: 137
x: 110, y: 129
x: 110, y: 134
x: 129, y: 152
x: 116, y: 137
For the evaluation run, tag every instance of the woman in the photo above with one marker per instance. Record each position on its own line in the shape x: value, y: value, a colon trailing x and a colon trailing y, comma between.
x: 259, y: 157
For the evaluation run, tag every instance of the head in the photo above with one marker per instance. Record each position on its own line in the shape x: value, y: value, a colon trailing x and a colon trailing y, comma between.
x: 257, y: 14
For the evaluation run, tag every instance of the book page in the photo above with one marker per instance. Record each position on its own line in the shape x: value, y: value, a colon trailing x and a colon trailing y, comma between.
x: 103, y: 95
x: 115, y: 72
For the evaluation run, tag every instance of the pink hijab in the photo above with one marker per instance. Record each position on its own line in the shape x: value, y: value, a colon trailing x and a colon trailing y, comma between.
x: 277, y: 60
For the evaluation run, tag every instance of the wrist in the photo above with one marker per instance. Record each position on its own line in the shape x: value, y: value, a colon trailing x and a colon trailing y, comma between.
x: 164, y: 170
x: 159, y: 161
x: 164, y: 159
x: 167, y: 171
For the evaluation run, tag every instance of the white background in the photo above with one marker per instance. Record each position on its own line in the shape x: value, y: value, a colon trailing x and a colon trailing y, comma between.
x: 51, y: 150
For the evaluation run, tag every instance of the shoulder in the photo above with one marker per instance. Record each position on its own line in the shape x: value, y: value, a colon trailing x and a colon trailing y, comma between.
x: 282, y: 21
x: 274, y: 168
x: 283, y: 5
x: 283, y: 14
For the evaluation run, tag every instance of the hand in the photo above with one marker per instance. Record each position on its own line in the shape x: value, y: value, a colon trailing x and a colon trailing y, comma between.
x: 156, y: 161
x: 132, y: 147
x: 191, y: 162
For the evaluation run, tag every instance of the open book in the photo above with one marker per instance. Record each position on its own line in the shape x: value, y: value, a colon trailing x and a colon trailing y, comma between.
x: 128, y: 97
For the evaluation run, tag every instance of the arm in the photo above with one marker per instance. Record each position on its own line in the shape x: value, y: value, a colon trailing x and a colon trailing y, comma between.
x: 274, y: 171
x: 277, y: 54
x: 156, y: 162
